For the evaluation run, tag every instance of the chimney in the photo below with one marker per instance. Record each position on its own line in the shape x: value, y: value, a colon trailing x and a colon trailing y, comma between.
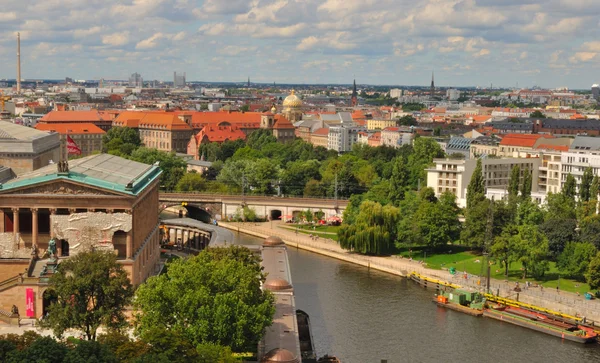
x: 18, y: 63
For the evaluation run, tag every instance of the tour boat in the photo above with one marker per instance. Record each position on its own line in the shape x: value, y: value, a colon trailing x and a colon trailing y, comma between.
x: 542, y: 323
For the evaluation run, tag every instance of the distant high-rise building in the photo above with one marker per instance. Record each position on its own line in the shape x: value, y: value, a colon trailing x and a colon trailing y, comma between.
x: 178, y: 80
x: 453, y: 94
x: 248, y: 82
x: 395, y: 93
x: 354, y: 95
x: 596, y: 91
x: 136, y: 81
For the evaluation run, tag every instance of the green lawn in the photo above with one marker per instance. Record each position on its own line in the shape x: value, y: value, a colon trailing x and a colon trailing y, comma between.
x: 307, y: 232
x: 464, y: 260
x: 317, y: 228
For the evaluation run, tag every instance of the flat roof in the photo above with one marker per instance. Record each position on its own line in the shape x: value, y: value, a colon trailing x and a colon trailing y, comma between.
x: 100, y: 170
x: 11, y: 131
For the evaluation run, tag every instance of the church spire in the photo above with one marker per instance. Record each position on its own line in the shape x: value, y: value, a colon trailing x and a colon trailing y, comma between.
x: 248, y: 82
x: 432, y: 89
x: 354, y: 95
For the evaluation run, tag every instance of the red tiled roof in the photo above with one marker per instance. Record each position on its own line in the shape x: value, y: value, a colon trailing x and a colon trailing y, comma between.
x: 70, y: 128
x: 321, y: 132
x: 219, y: 134
x: 553, y: 147
x: 72, y: 116
x: 152, y: 120
x: 524, y: 140
x: 282, y: 123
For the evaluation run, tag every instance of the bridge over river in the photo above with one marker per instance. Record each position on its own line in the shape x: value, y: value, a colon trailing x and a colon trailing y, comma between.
x: 218, y: 206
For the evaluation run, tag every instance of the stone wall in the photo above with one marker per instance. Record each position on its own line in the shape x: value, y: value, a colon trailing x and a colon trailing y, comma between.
x: 16, y: 296
x: 11, y: 268
x: 145, y: 217
x: 10, y: 249
x: 88, y: 230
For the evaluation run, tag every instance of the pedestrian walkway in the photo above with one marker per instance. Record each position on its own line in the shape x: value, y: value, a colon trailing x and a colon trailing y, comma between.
x: 561, y: 301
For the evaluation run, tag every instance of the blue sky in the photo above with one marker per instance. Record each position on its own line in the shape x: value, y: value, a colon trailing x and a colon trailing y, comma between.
x: 550, y: 43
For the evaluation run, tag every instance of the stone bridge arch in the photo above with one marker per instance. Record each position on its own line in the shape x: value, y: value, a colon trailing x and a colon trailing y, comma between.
x: 205, y: 212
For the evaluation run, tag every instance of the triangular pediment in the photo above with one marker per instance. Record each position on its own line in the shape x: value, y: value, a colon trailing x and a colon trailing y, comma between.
x: 62, y: 187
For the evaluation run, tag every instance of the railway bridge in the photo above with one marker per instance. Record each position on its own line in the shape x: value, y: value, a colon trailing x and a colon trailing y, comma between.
x: 219, y: 206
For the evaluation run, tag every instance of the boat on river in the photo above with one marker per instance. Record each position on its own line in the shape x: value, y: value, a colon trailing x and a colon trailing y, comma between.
x: 467, y: 302
x: 541, y: 322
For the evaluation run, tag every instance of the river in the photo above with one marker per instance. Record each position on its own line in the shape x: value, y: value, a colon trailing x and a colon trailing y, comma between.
x: 364, y: 316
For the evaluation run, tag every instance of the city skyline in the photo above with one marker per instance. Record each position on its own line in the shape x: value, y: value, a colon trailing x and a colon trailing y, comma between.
x: 548, y: 43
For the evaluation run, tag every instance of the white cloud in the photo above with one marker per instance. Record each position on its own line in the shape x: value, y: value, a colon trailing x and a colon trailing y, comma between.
x: 116, y: 39
x: 149, y: 43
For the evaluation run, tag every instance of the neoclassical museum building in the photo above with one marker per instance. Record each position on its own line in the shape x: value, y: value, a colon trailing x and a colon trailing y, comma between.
x: 100, y: 202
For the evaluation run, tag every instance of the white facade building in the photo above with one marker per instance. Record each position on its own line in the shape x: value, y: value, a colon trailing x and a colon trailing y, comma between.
x: 454, y: 175
x: 395, y: 93
x: 341, y: 138
x: 453, y: 94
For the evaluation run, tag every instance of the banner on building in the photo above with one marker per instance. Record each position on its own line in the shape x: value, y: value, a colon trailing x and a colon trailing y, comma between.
x: 29, y: 302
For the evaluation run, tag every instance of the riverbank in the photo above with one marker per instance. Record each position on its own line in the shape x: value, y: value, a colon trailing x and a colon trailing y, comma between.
x: 564, y: 302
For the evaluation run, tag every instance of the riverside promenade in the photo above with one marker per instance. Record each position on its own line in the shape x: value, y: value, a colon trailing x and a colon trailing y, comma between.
x: 561, y: 301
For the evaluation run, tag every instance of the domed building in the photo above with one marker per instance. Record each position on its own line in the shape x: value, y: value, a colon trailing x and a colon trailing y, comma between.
x: 292, y: 107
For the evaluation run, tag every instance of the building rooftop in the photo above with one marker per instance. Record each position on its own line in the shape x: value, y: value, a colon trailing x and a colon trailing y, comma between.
x: 101, y: 170
x: 71, y: 128
x: 73, y: 116
x: 522, y: 140
x: 585, y: 143
x: 10, y: 131
x: 459, y: 143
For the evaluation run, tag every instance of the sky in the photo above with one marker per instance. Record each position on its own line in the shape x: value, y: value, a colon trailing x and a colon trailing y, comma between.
x: 504, y: 43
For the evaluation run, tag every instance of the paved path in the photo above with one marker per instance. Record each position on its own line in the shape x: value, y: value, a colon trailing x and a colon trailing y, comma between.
x: 565, y: 302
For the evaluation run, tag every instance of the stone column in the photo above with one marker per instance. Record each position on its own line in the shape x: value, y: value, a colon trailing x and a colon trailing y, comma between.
x: 34, y: 226
x: 15, y: 222
x: 197, y: 241
x: 2, y: 226
x: 129, y: 246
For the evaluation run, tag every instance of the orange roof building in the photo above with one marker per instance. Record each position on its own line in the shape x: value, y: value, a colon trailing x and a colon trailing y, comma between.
x: 512, y: 143
x: 92, y: 116
x: 218, y: 134
x: 164, y: 131
x: 86, y: 135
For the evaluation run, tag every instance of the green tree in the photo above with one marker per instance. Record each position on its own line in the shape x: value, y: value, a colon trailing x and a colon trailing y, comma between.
x: 407, y: 120
x: 6, y: 347
x: 530, y: 247
x: 43, y: 349
x: 592, y: 277
x: 214, y: 297
x: 398, y: 181
x: 210, y: 353
x: 513, y: 183
x: 167, y: 346
x: 476, y: 187
x: 476, y: 224
x: 123, y: 140
x: 586, y: 183
x: 373, y: 231
x: 437, y: 221
x: 574, y: 261
x: 559, y: 232
x: 245, y: 108
x: 259, y: 138
x: 560, y: 206
x: 502, y: 248
x: 319, y: 215
x: 90, y: 352
x: 173, y: 167
x: 569, y: 188
x: 190, y: 182
x: 313, y: 188
x: 309, y: 216
x: 296, y: 175
x: 537, y: 114
x: 526, y: 186
x: 122, y: 346
x: 92, y: 290
x: 590, y: 230
x: 424, y: 151
x: 595, y: 189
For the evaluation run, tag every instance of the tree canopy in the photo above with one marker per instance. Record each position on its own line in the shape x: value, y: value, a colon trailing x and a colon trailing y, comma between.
x: 92, y: 289
x: 212, y: 298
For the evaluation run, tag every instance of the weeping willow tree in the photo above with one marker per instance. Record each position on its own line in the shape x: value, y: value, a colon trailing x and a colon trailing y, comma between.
x: 373, y: 231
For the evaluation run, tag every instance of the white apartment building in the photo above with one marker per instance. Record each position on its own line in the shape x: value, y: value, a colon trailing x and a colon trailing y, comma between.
x: 453, y: 94
x: 454, y: 175
x: 395, y: 137
x: 395, y: 93
x: 341, y: 139
x: 583, y: 153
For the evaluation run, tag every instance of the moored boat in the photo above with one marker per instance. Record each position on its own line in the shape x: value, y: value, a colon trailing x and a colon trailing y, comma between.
x: 467, y: 302
x: 542, y: 323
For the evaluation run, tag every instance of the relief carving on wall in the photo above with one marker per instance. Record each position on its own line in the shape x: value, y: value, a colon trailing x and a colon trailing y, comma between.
x: 90, y: 230
x: 61, y: 189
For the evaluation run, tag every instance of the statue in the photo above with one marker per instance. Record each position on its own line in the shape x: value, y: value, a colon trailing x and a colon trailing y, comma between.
x: 34, y: 250
x: 52, y: 248
x: 14, y: 310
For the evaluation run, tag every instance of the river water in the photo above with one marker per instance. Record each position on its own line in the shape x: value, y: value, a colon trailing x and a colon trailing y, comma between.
x: 364, y: 316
